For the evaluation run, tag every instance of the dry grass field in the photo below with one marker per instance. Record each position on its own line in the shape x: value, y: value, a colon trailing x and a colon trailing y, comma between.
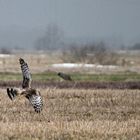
x: 73, y: 114
x: 98, y: 107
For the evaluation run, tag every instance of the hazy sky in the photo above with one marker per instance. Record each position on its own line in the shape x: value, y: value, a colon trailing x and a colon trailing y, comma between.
x: 97, y: 19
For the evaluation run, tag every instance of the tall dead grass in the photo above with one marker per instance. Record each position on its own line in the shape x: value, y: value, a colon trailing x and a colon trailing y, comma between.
x: 73, y: 114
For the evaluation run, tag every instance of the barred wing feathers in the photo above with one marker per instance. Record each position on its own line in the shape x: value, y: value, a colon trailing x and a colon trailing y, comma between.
x: 13, y: 92
x: 36, y: 101
x: 32, y: 95
x: 26, y: 74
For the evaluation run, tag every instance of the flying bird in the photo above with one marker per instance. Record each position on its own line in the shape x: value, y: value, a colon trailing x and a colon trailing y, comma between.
x: 33, y: 95
x: 64, y: 76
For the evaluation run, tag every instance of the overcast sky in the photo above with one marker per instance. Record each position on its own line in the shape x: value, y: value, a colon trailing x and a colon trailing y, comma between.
x: 97, y: 19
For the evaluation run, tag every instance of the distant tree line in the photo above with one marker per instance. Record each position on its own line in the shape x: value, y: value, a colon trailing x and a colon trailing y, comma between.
x: 5, y: 50
x: 90, y: 53
x: 135, y: 47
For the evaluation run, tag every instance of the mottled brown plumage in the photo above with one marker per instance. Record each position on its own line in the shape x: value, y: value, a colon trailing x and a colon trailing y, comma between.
x: 33, y: 95
x: 64, y: 76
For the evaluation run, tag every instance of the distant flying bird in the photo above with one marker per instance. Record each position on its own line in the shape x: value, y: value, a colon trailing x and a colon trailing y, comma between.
x: 33, y: 95
x: 64, y: 76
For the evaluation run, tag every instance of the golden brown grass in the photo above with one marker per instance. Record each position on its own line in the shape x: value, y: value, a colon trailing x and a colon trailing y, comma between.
x: 73, y: 114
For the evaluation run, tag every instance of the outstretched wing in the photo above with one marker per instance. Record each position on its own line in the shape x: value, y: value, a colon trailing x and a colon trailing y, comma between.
x: 26, y: 74
x: 32, y: 95
x: 13, y: 92
x: 35, y: 99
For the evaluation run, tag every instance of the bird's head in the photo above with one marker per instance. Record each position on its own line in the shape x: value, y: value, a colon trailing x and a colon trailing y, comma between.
x: 59, y: 73
x: 21, y: 61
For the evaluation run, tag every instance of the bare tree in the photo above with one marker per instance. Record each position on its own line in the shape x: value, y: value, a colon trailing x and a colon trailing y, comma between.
x: 5, y: 50
x: 53, y: 39
x: 90, y: 53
